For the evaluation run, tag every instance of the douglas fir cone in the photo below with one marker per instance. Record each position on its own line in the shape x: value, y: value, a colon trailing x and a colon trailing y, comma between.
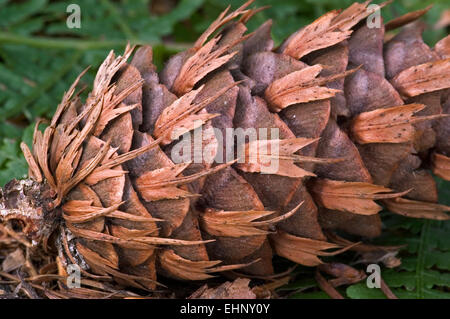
x: 352, y: 119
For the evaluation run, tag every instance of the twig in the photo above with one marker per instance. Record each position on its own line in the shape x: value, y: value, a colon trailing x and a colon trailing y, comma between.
x: 79, y: 44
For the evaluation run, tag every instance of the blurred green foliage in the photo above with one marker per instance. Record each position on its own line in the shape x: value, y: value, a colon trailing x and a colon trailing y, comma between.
x: 40, y: 57
x: 423, y: 273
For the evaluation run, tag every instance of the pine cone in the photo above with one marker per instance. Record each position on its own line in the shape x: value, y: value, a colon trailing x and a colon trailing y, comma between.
x: 346, y: 119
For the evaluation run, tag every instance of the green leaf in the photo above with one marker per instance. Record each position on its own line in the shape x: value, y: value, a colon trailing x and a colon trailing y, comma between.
x: 310, y: 295
x: 17, y: 12
x: 424, y: 272
x: 361, y: 291
x: 40, y: 57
